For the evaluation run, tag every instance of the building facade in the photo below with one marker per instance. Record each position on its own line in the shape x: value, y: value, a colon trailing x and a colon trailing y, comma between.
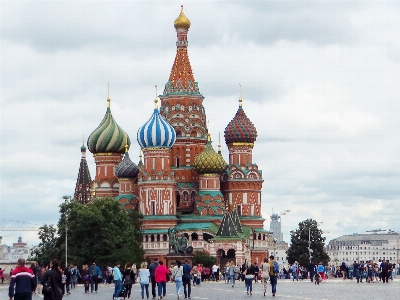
x: 182, y: 183
x: 365, y: 247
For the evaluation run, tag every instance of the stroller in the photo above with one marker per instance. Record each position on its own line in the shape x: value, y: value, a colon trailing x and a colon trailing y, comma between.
x: 317, y: 278
x: 121, y: 293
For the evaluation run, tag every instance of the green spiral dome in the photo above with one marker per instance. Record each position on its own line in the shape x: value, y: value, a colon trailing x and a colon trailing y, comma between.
x: 209, y: 161
x: 108, y: 137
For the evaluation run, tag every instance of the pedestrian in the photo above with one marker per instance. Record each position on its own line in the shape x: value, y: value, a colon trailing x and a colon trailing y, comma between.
x: 311, y: 270
x: 54, y: 276
x: 264, y: 268
x: 128, y: 277
x: 152, y: 270
x: 177, y: 275
x: 273, y: 276
x: 161, y: 274
x: 343, y: 270
x: 86, y: 277
x: 232, y: 273
x: 321, y: 270
x: 104, y: 275
x: 226, y: 273
x: 256, y: 271
x: 94, y: 272
x: 144, y: 275
x: 195, y: 274
x: 215, y: 271
x: 2, y: 275
x: 22, y: 282
x: 187, y: 269
x: 248, y: 277
x: 117, y: 280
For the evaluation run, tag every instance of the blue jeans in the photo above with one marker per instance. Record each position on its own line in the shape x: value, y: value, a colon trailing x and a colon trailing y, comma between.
x: 178, y: 285
x: 294, y: 274
x: 233, y: 279
x: 118, y: 288
x: 162, y: 288
x: 145, y: 287
x: 249, y: 284
x: 274, y: 282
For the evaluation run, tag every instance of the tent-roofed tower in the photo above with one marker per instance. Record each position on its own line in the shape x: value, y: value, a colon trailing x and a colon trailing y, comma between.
x: 82, y: 189
x: 182, y: 107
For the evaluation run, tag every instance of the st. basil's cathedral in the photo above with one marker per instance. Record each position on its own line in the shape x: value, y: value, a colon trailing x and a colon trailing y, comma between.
x: 181, y: 182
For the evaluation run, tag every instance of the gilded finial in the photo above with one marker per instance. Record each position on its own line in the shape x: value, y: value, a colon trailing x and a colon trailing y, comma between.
x: 140, y: 154
x: 94, y: 193
x: 208, y: 137
x: 126, y: 144
x: 108, y: 96
x: 156, y: 99
x: 240, y: 95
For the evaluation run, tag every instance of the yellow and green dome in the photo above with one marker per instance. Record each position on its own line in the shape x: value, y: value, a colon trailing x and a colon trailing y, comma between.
x: 209, y: 161
x: 108, y: 137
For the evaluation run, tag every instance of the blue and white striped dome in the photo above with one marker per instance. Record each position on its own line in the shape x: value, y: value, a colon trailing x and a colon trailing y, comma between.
x: 156, y: 132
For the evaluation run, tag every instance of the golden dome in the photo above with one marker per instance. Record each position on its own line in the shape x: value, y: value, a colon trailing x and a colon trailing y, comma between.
x: 182, y: 21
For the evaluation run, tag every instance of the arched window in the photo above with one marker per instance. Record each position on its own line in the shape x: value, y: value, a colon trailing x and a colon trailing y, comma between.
x: 177, y: 198
x: 164, y: 237
x: 152, y: 238
x: 185, y: 196
x: 146, y: 238
x: 195, y: 236
x: 158, y: 237
x: 193, y: 196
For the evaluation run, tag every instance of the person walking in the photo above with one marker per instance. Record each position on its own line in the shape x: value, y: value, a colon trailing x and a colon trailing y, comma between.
x: 128, y: 278
x: 117, y: 280
x: 94, y: 272
x: 2, y: 275
x: 264, y: 268
x: 152, y: 270
x: 273, y: 276
x: 311, y: 270
x: 187, y: 269
x: 232, y: 273
x: 22, y: 282
x: 161, y: 279
x: 54, y: 275
x: 177, y: 275
x: 248, y: 278
x: 343, y: 270
x: 144, y: 275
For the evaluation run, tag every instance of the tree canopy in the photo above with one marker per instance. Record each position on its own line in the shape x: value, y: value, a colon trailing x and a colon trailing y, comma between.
x: 298, y: 250
x: 100, y: 232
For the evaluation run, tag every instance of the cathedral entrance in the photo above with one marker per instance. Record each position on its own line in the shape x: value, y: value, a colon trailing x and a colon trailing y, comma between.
x: 224, y: 258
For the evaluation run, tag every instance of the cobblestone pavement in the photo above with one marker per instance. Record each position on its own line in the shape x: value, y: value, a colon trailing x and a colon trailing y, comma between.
x: 331, y: 289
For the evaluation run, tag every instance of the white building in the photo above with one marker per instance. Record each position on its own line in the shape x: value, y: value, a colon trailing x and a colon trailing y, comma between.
x: 11, y: 254
x: 364, y: 247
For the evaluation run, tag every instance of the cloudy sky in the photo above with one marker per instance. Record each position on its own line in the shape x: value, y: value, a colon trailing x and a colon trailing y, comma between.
x: 320, y: 82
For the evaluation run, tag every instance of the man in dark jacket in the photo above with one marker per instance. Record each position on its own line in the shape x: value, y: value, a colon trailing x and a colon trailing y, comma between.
x: 187, y: 268
x: 152, y: 270
x: 311, y: 269
x: 23, y: 282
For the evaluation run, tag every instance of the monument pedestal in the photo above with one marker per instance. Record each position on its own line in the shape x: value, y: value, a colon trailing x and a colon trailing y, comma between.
x: 173, y: 257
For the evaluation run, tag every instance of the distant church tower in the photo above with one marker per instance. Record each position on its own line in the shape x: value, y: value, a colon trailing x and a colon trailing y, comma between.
x: 242, y: 181
x: 82, y: 189
x: 156, y: 181
x: 107, y: 143
x: 182, y: 106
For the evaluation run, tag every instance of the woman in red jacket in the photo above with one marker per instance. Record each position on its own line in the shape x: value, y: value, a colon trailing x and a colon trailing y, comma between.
x: 161, y: 279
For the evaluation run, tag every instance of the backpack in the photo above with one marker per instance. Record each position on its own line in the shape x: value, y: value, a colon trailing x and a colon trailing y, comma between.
x: 235, y: 269
x: 47, y: 287
x: 127, y: 279
x: 276, y: 267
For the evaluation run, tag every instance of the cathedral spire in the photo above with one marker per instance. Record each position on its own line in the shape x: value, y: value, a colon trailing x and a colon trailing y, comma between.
x: 82, y: 189
x: 181, y: 79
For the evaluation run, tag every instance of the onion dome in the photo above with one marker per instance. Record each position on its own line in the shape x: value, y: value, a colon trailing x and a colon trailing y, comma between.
x: 126, y: 168
x: 83, y: 148
x: 209, y: 161
x: 108, y: 137
x: 182, y: 22
x: 156, y: 132
x: 240, y: 129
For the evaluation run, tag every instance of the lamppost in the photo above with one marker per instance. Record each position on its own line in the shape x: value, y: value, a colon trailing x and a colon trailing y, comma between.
x: 310, y: 251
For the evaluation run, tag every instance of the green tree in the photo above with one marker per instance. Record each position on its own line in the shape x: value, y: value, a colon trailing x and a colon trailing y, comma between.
x: 46, y: 250
x: 100, y: 231
x: 298, y: 250
x: 201, y: 257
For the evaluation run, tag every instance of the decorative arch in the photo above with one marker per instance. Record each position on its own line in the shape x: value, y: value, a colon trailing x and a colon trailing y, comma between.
x: 195, y: 236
